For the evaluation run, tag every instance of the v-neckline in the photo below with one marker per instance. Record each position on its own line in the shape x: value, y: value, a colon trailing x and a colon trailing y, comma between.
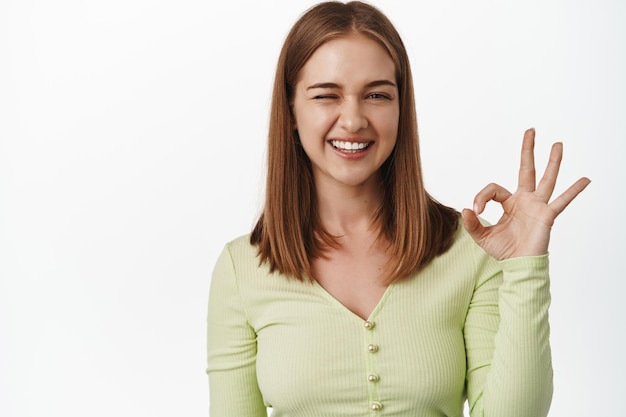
x: 334, y: 301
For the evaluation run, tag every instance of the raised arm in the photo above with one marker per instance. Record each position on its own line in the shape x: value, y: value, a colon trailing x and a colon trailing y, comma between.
x: 506, y: 329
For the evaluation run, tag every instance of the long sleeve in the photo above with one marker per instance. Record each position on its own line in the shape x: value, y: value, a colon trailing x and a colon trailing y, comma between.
x: 464, y: 326
x: 509, y: 370
x: 231, y: 348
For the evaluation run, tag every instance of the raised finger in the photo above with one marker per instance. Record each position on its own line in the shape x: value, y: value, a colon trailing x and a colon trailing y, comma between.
x: 492, y: 192
x: 545, y: 188
x: 562, y: 201
x: 526, y: 178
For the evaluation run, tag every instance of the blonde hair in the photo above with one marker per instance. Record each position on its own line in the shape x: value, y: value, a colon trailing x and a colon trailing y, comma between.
x: 288, y: 233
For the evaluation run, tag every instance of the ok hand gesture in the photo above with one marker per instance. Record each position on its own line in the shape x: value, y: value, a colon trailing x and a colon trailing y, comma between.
x: 524, y: 228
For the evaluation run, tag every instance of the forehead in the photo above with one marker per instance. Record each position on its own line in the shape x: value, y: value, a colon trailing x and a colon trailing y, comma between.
x: 351, y: 58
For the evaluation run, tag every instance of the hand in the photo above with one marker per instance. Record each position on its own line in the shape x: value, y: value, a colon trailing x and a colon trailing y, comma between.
x: 524, y: 228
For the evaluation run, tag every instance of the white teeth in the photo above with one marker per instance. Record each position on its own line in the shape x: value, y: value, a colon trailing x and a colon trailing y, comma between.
x: 349, y: 146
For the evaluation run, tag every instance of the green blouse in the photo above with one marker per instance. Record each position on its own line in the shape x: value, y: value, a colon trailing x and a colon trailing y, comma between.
x: 464, y: 327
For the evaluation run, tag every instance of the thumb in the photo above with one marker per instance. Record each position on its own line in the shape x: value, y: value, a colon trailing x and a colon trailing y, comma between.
x: 472, y: 224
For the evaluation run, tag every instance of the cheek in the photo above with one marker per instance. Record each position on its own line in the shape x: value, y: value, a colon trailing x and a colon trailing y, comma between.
x: 384, y: 119
x: 314, y: 121
x: 388, y: 126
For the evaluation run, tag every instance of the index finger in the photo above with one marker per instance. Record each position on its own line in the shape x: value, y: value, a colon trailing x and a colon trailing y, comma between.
x: 526, y: 178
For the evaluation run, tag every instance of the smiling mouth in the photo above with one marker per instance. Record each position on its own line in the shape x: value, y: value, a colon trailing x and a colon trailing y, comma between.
x: 350, y: 147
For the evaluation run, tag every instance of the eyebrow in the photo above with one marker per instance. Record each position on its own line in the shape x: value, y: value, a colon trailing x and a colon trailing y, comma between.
x: 376, y: 83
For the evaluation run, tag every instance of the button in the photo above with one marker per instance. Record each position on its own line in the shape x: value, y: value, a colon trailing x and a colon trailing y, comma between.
x: 373, y: 378
x: 372, y: 348
x: 368, y: 325
x: 376, y: 406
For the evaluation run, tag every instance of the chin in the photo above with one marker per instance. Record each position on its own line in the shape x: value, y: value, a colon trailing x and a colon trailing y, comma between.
x: 355, y: 180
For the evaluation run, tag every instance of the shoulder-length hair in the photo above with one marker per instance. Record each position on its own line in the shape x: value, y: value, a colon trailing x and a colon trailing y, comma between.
x: 289, y: 233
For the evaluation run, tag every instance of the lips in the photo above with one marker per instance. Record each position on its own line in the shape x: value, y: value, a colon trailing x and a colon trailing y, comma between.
x: 348, y: 146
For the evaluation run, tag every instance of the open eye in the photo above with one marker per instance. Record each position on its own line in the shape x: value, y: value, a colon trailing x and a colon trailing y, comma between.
x: 378, y: 96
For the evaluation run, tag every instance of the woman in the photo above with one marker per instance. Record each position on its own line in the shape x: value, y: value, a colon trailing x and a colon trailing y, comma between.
x: 357, y: 293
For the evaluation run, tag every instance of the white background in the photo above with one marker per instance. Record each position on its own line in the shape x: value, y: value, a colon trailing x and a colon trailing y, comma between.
x: 132, y: 143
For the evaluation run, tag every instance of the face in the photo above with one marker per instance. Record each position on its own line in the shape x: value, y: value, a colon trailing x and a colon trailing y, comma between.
x: 346, y: 110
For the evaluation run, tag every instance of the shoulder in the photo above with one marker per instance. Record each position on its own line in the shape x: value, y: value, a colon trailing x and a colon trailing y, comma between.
x: 242, y: 256
x: 241, y: 245
x: 240, y: 252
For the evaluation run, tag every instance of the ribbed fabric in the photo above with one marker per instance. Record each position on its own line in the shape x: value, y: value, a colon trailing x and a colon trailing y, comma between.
x: 466, y: 326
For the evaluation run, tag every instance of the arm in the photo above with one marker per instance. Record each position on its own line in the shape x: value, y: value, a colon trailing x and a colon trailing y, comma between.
x: 231, y: 348
x: 507, y: 340
x: 506, y: 329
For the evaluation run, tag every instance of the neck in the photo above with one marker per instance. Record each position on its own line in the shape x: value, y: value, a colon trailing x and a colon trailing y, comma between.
x: 349, y: 210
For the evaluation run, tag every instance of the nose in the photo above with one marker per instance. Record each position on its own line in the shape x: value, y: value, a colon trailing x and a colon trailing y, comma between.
x: 351, y: 117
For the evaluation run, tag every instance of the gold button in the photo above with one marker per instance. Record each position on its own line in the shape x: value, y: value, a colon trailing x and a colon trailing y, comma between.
x: 372, y: 348
x: 368, y: 325
x: 373, y: 378
x: 376, y: 406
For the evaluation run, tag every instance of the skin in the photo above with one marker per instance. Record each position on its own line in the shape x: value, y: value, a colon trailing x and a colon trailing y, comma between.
x: 524, y: 228
x: 347, y: 92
